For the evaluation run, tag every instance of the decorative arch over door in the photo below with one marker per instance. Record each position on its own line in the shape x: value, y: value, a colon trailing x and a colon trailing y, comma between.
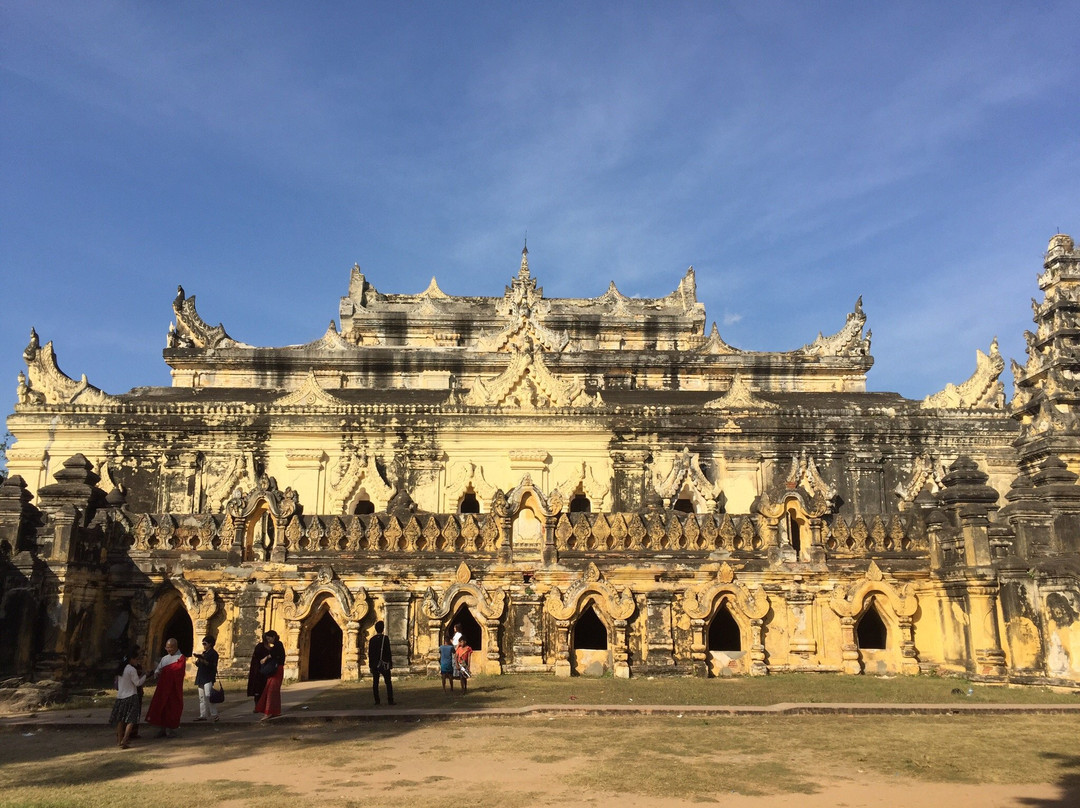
x: 486, y: 608
x: 896, y: 609
x: 747, y: 608
x: 326, y: 595
x: 614, y: 607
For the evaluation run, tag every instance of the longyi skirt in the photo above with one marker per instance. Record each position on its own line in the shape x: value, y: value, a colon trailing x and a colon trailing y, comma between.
x: 125, y: 711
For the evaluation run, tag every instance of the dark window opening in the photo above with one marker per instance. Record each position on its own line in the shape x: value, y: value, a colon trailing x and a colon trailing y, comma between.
x: 871, y: 632
x: 590, y: 633
x: 469, y: 503
x: 793, y: 531
x: 683, y: 505
x: 324, y: 649
x: 179, y: 628
x: 580, y: 504
x: 364, y: 506
x: 469, y: 628
x: 724, y: 634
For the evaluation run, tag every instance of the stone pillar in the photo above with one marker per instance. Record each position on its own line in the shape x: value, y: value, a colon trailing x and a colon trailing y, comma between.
x: 802, y: 644
x: 351, y: 652
x: 851, y: 662
x: 659, y: 643
x: 628, y: 470
x: 396, y: 603
x: 292, y: 650
x: 620, y: 653
x: 699, y: 649
x: 562, y: 648
x: 528, y: 646
x: 757, y: 648
x: 909, y: 658
x: 985, y: 636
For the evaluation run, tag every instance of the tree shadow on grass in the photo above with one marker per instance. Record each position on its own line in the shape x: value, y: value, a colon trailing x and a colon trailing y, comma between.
x: 1069, y: 783
x: 73, y: 756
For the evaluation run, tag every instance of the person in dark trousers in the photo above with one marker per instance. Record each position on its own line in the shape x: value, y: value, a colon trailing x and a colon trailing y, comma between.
x: 380, y: 662
x: 205, y: 675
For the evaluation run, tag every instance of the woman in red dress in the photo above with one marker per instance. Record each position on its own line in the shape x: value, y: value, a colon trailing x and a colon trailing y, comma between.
x: 273, y: 667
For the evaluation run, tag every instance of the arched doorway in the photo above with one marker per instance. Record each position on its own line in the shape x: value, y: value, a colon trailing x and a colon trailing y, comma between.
x: 180, y: 628
x: 474, y: 635
x: 589, y: 644
x: 725, y: 644
x: 871, y: 633
x: 324, y: 648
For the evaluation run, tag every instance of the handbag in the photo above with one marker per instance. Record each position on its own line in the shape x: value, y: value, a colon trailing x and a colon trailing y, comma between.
x: 217, y: 693
x: 268, y: 669
x: 384, y: 666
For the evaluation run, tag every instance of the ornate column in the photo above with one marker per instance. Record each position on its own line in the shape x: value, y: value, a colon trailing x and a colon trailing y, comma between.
x: 351, y: 651
x: 850, y: 661
x: 802, y: 644
x: 396, y: 603
x: 562, y: 648
x: 620, y: 652
x: 659, y: 643
x: 985, y: 637
x: 292, y: 650
x: 699, y: 651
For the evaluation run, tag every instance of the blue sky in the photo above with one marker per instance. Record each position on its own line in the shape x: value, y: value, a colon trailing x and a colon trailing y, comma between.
x: 798, y: 155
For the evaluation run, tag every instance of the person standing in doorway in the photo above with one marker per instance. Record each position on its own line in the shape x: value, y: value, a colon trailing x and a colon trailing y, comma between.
x: 462, y: 656
x: 272, y: 666
x: 205, y: 675
x: 446, y: 664
x: 167, y: 705
x: 380, y: 662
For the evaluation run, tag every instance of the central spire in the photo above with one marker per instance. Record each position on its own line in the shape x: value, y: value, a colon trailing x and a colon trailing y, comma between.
x: 524, y: 271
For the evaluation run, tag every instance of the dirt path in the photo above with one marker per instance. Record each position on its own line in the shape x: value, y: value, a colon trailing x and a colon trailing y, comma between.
x: 488, y: 764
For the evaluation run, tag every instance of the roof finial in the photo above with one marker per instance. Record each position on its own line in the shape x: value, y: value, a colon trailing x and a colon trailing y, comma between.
x: 524, y: 271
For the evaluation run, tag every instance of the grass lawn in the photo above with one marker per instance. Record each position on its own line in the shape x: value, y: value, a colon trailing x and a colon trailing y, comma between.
x: 525, y: 689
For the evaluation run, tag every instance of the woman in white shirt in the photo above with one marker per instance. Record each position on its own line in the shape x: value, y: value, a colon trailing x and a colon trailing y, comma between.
x: 125, y: 713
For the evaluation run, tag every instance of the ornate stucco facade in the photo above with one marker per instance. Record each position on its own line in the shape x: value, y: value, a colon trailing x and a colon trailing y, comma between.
x: 587, y: 485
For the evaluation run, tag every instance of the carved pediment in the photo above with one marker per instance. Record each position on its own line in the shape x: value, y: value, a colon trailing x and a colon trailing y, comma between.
x: 740, y: 396
x: 982, y: 391
x: 465, y: 591
x: 591, y: 587
x: 685, y: 472
x: 700, y: 602
x: 925, y: 473
x: 309, y: 394
x: 529, y: 384
x: 45, y: 383
x: 356, y: 469
x: 240, y: 469
x: 353, y: 605
x: 849, y: 601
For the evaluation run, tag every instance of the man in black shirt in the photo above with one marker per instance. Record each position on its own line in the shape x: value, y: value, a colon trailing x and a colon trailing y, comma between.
x: 380, y: 662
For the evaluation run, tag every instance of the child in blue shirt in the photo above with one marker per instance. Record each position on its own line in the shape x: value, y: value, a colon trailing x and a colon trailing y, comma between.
x: 446, y: 664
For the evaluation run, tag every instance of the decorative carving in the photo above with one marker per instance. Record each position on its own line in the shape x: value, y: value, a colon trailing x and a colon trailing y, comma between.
x: 355, y: 470
x: 982, y: 391
x: 848, y: 341
x: 925, y: 473
x: 617, y: 604
x: 241, y: 468
x: 309, y: 394
x: 528, y: 384
x: 47, y: 384
x: 354, y: 605
x: 716, y: 346
x: 740, y: 396
x: 686, y: 472
x: 192, y: 332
